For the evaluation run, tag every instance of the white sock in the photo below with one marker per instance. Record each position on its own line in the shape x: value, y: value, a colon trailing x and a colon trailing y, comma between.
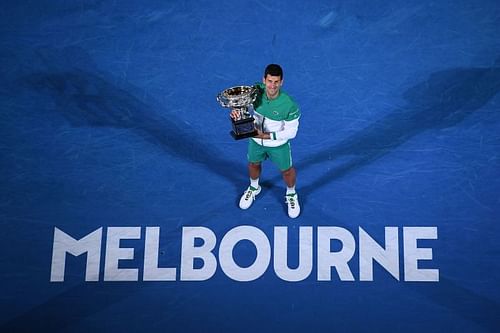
x: 290, y: 190
x: 254, y: 183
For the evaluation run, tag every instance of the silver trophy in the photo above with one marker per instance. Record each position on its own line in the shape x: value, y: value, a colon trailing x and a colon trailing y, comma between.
x: 238, y: 99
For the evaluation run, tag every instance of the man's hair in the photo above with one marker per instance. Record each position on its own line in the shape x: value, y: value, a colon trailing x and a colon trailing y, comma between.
x: 274, y: 70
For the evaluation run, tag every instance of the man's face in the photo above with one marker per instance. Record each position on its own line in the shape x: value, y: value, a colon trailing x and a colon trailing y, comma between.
x: 273, y: 85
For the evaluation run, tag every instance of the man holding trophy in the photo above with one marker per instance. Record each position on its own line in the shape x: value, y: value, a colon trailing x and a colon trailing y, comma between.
x: 274, y: 123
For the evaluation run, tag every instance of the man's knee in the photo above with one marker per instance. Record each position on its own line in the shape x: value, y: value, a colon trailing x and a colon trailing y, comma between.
x: 288, y: 172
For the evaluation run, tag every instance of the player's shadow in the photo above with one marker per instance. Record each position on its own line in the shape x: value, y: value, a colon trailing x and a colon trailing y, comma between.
x: 86, y: 97
x: 445, y: 99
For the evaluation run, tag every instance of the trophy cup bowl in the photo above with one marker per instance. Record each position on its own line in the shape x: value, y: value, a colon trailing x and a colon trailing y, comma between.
x: 238, y: 99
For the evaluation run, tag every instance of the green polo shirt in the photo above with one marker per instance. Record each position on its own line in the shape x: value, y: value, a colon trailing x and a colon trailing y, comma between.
x: 282, y: 107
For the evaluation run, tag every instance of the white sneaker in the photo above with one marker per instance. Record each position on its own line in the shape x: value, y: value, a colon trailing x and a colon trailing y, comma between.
x: 292, y: 201
x: 248, y: 197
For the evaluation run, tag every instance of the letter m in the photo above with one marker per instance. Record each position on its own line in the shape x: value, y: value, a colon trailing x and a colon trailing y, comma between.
x: 63, y: 243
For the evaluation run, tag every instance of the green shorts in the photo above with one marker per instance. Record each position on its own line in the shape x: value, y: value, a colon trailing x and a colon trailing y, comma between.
x: 281, y: 155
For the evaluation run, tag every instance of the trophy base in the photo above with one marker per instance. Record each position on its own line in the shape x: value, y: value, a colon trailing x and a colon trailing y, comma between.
x: 243, y: 128
x: 240, y: 136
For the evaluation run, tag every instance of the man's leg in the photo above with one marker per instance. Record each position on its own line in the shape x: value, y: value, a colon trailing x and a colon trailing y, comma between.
x: 282, y: 157
x: 254, y: 170
x: 253, y: 190
x: 290, y: 177
x: 255, y: 155
x: 292, y: 199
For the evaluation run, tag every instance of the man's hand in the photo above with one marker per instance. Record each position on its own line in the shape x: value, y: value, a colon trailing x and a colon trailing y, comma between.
x: 235, y: 115
x: 262, y: 135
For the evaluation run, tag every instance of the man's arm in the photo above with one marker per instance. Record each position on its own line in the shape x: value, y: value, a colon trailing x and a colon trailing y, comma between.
x: 288, y: 132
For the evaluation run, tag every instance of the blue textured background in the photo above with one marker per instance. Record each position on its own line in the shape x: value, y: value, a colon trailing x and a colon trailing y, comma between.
x: 108, y: 118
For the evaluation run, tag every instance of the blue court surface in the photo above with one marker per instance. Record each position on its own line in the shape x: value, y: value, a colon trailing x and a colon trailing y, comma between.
x: 120, y: 182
